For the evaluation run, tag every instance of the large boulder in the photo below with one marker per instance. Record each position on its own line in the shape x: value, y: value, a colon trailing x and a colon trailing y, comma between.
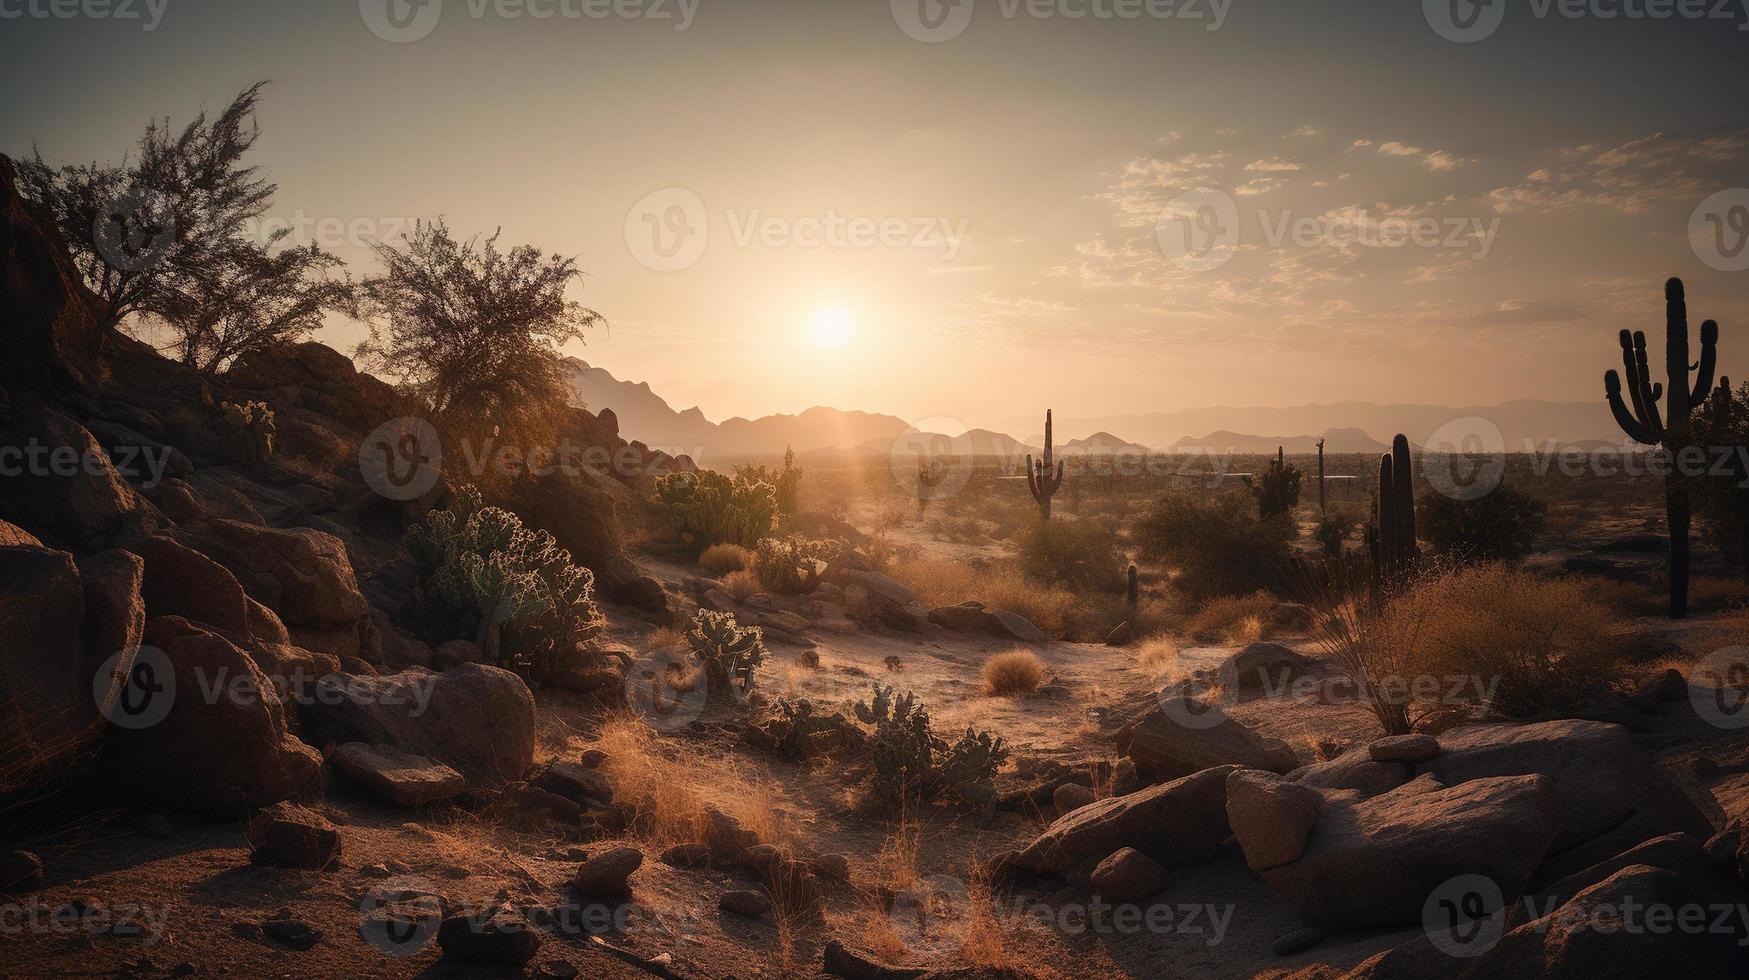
x: 218, y: 742
x: 1185, y: 735
x: 305, y: 576
x: 66, y: 490
x: 180, y: 581
x: 1178, y: 824
x: 1609, y: 793
x: 115, y: 617
x: 580, y: 510
x: 1375, y: 862
x: 45, y: 674
x: 49, y: 323
x: 476, y: 719
x: 313, y: 376
x: 1271, y: 817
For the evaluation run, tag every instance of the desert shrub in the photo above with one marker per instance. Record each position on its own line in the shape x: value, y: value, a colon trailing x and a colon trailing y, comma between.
x: 1333, y: 531
x: 513, y: 591
x: 1080, y: 555
x: 1497, y: 526
x: 791, y: 566
x: 1235, y: 619
x: 720, y: 559
x: 1157, y: 656
x: 914, y: 764
x: 710, y: 508
x: 795, y: 729
x: 1012, y: 672
x: 945, y: 583
x: 729, y: 652
x: 785, y: 482
x: 1276, y: 489
x: 668, y: 796
x: 740, y: 585
x: 1219, y: 547
x: 252, y: 429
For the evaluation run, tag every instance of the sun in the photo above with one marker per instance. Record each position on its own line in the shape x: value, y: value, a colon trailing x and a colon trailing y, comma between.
x: 831, y: 328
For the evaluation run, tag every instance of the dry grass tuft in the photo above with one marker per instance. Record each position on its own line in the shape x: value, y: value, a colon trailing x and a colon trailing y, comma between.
x: 1235, y: 619
x: 741, y: 584
x: 1158, y: 657
x: 660, y: 638
x: 666, y: 792
x: 1012, y: 673
x: 720, y: 559
x: 946, y: 583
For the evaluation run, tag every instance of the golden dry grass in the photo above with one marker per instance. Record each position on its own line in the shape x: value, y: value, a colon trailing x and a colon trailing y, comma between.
x: 741, y: 584
x: 1157, y: 656
x: 1234, y: 619
x: 945, y: 583
x: 1012, y: 673
x: 720, y: 559
x: 666, y: 794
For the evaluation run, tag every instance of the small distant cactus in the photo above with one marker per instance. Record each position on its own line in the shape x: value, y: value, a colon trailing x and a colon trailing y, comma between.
x: 1277, y: 489
x: 730, y: 653
x: 252, y: 430
x: 913, y: 763
x: 1132, y: 590
x: 931, y: 473
x: 1392, y: 536
x: 1041, y: 479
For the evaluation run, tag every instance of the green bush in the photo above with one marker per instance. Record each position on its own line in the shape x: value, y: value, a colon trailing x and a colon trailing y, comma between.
x: 1081, y: 555
x: 1497, y: 526
x: 710, y: 508
x: 729, y: 652
x: 1276, y: 489
x: 1219, y: 546
x: 513, y: 591
x: 796, y: 730
x: 786, y: 482
x: 790, y: 566
x: 912, y: 763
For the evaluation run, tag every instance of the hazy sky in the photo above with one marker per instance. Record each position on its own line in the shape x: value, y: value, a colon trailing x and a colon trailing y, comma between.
x: 795, y: 203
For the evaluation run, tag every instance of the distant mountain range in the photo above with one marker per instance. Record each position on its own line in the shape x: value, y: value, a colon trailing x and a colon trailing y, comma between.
x: 1347, y: 427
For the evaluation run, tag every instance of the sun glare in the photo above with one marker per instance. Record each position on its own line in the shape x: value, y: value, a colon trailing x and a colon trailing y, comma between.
x: 831, y: 328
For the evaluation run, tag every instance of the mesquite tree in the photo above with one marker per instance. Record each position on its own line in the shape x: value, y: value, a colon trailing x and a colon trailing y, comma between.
x: 1643, y: 423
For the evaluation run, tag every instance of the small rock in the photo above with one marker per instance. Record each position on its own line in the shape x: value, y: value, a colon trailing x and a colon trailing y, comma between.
x: 555, y: 970
x: 1403, y: 748
x: 747, y: 903
x: 20, y: 872
x: 502, y: 936
x: 1271, y: 817
x: 293, y: 933
x: 574, y: 854
x: 687, y: 856
x: 593, y: 758
x: 400, y: 777
x: 290, y: 836
x: 1297, y: 941
x: 840, y: 961
x: 1128, y: 876
x: 833, y: 866
x: 1070, y: 797
x: 574, y: 782
x: 606, y: 875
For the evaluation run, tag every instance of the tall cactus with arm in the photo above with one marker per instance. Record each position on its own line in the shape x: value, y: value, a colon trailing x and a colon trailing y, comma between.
x: 1394, y: 548
x: 1040, y: 478
x: 1638, y: 414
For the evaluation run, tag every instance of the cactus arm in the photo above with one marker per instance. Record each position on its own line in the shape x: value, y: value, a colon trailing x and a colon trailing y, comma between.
x: 1031, y: 477
x: 1624, y: 418
x: 1631, y: 371
x: 1649, y: 390
x: 1676, y: 352
x: 1058, y: 482
x: 1709, y: 362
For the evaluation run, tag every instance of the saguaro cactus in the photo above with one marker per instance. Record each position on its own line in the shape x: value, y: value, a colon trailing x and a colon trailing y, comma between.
x: 1394, y: 548
x: 931, y: 473
x: 1322, y: 510
x: 1642, y: 421
x: 1133, y: 591
x: 1039, y: 476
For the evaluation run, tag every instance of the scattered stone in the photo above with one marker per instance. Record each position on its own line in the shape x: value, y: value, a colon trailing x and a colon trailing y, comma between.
x: 399, y: 777
x: 1663, y: 689
x: 1271, y: 817
x: 575, y: 854
x: 593, y: 758
x: 1185, y: 736
x: 502, y: 936
x: 725, y: 836
x: 555, y: 970
x: 20, y: 872
x: 575, y: 782
x: 1179, y: 824
x: 1128, y: 875
x: 840, y: 961
x: 294, y: 933
x: 1013, y: 626
x: 746, y: 903
x: 833, y: 866
x: 687, y: 856
x: 605, y: 876
x: 290, y: 836
x: 1070, y: 797
x: 1298, y: 941
x: 534, y: 798
x: 1263, y: 666
x: 1403, y: 748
